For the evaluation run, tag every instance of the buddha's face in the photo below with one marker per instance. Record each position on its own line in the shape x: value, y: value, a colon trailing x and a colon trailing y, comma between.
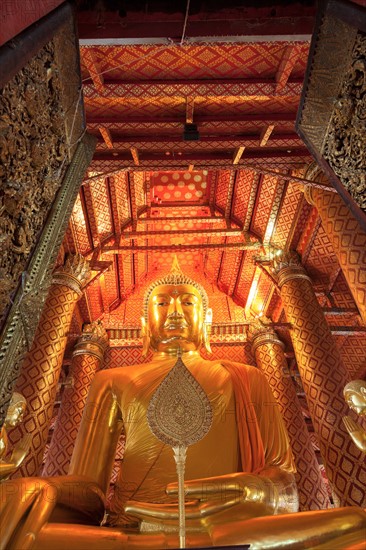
x: 356, y: 400
x: 175, y: 318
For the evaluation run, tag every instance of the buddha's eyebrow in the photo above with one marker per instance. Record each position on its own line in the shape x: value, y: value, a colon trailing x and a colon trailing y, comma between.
x: 161, y: 296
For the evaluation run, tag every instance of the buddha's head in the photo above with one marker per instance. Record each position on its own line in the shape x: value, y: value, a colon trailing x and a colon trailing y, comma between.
x: 176, y: 314
x: 355, y: 395
x: 16, y: 410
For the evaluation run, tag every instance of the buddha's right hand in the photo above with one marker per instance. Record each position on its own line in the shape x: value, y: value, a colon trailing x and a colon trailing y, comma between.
x: 270, y: 492
x: 240, y: 486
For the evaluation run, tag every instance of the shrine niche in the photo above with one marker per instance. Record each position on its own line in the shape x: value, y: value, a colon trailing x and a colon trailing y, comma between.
x: 331, y: 118
x: 44, y: 154
x: 229, y: 205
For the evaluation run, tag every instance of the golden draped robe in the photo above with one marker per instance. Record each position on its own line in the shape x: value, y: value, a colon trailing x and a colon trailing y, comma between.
x: 247, y: 433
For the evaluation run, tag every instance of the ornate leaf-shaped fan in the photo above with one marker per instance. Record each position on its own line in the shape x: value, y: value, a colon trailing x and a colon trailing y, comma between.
x: 179, y: 414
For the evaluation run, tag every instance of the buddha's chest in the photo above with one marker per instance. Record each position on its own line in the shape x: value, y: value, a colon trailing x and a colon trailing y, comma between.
x: 214, y: 379
x: 149, y: 465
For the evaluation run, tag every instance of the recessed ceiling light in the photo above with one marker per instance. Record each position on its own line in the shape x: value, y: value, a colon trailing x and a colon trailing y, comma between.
x: 115, y: 154
x: 289, y: 151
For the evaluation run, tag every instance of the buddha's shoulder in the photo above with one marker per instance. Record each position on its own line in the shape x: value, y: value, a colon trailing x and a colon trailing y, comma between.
x: 126, y: 372
x: 226, y: 363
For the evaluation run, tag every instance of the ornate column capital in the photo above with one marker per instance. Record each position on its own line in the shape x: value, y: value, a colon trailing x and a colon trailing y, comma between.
x: 260, y: 333
x: 308, y: 194
x: 93, y: 341
x: 314, y: 172
x: 288, y: 266
x: 74, y: 273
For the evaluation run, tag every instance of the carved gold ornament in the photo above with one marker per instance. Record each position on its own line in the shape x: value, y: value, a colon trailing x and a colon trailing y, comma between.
x: 179, y: 415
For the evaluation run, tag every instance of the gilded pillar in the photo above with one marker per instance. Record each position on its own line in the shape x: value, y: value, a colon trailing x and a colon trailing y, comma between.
x: 41, y: 367
x: 270, y: 358
x: 86, y: 360
x: 323, y: 377
x: 347, y: 238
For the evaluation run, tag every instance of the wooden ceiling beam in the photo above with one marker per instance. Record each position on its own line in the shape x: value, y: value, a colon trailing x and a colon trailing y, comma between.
x: 193, y: 156
x: 107, y: 136
x: 197, y: 219
x: 229, y: 194
x: 88, y: 57
x: 132, y: 198
x: 196, y: 81
x: 227, y: 232
x: 135, y: 155
x: 90, y: 217
x: 287, y: 63
x: 277, y: 201
x: 180, y: 247
x: 199, y: 119
x: 238, y: 154
x: 221, y: 88
x: 150, y: 28
x: 266, y: 134
x: 249, y: 139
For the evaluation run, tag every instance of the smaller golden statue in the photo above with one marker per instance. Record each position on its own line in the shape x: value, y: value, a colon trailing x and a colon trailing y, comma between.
x: 355, y: 395
x: 13, y: 418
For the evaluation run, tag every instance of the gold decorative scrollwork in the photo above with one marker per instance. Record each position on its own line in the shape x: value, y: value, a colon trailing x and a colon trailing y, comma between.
x: 345, y: 144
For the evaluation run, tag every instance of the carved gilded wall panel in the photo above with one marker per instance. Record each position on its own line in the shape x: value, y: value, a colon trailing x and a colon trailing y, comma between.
x: 40, y: 122
x: 44, y: 154
x: 332, y: 114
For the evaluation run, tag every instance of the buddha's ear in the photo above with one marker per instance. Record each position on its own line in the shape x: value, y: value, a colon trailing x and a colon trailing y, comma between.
x: 145, y: 337
x: 207, y: 326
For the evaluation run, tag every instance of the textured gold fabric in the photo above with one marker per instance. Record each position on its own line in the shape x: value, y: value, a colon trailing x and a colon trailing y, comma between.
x: 239, y: 394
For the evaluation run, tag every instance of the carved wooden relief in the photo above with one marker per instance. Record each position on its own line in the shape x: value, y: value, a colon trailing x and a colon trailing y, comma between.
x: 332, y: 114
x: 345, y: 144
x: 44, y: 154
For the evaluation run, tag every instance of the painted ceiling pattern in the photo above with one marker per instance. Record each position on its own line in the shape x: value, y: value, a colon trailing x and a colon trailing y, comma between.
x: 218, y: 202
x: 240, y: 95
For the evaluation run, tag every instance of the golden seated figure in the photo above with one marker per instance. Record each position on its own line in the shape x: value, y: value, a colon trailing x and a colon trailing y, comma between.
x: 240, y: 474
x: 14, y: 416
x: 355, y: 395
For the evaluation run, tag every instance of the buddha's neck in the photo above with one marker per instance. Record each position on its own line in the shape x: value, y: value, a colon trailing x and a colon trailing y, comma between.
x: 173, y: 355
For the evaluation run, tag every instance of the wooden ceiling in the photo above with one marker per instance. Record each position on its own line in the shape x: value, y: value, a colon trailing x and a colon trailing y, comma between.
x: 218, y: 202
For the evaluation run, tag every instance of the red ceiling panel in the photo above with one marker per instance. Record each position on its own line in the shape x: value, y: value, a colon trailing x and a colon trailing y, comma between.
x: 188, y: 61
x: 173, y: 187
x: 101, y: 206
x: 263, y: 205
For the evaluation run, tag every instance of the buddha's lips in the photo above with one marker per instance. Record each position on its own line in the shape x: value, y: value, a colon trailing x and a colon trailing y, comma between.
x: 174, y: 325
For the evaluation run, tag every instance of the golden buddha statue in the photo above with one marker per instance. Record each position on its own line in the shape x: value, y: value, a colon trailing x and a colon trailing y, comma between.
x: 240, y: 474
x: 14, y: 416
x: 355, y: 395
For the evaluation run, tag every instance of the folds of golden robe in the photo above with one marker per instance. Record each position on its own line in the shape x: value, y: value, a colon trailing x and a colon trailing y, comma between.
x: 247, y: 434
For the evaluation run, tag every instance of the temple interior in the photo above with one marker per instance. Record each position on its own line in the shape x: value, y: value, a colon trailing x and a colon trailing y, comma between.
x: 230, y: 135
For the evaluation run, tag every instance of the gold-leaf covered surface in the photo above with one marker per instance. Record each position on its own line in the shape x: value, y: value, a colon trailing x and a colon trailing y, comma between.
x: 179, y: 413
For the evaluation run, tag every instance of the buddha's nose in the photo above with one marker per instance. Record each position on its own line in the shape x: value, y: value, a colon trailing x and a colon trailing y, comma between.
x: 175, y: 310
